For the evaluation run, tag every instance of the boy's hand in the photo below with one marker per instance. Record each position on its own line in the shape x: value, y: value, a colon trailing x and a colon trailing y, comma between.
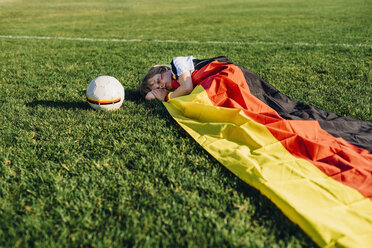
x: 149, y: 96
x: 159, y: 94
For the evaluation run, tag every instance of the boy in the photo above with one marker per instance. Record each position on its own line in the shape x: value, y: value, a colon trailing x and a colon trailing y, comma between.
x: 161, y: 79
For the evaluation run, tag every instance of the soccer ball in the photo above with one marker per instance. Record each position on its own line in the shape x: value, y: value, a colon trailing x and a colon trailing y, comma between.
x: 105, y: 93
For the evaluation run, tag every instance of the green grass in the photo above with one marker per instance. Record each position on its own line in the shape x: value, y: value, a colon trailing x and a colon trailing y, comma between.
x: 72, y: 176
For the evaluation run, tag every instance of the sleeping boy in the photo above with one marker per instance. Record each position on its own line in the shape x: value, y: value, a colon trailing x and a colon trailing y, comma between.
x: 162, y: 79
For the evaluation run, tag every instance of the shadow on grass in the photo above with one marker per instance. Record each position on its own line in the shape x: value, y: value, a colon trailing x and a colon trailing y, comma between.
x: 59, y: 104
x: 130, y: 95
x: 133, y: 96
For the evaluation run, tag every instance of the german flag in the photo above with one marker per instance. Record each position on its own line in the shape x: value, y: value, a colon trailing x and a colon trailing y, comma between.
x: 314, y: 165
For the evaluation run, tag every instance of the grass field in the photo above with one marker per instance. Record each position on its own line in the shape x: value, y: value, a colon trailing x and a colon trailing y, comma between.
x: 71, y: 176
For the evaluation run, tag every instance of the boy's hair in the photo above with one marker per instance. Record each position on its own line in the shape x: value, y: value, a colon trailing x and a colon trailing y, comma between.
x: 144, y: 84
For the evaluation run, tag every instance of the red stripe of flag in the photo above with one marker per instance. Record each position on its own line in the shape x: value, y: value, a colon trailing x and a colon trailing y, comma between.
x: 335, y: 157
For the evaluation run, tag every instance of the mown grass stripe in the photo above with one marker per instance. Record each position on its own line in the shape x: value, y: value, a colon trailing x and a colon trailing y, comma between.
x: 189, y: 41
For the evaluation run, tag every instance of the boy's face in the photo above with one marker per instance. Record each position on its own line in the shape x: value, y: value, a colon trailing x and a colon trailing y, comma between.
x: 161, y: 81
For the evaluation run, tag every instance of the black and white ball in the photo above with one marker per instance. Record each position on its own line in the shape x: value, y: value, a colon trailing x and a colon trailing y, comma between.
x: 105, y: 93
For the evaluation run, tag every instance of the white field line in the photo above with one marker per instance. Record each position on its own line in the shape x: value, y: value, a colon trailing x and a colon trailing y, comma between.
x: 188, y: 42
